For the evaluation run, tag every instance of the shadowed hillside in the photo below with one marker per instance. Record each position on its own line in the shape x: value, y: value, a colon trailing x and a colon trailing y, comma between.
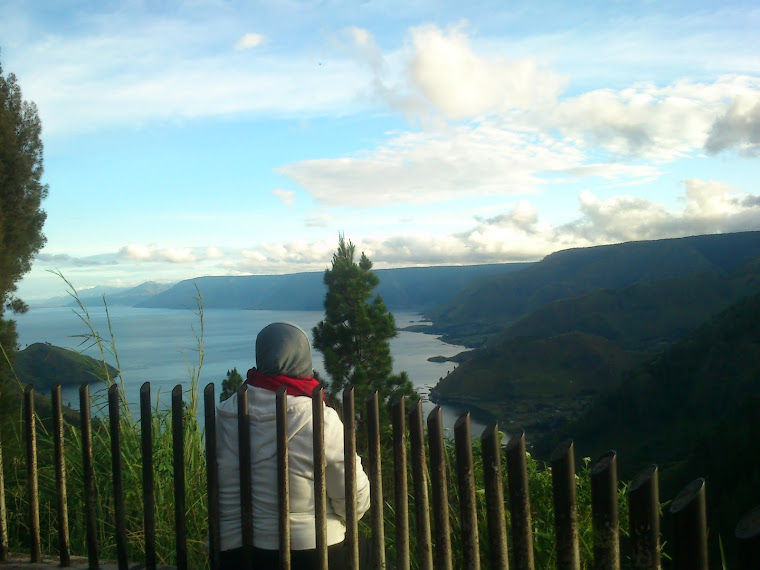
x: 694, y: 410
x: 491, y: 303
x: 646, y: 316
x: 546, y: 367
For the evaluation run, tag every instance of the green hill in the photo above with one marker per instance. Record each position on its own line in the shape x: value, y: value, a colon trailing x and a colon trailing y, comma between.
x: 536, y: 383
x: 547, y: 366
x: 646, y: 316
x: 43, y: 366
x: 491, y: 303
x: 694, y: 410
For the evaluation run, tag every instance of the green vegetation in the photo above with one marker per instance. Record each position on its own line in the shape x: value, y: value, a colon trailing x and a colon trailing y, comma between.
x: 536, y: 383
x: 548, y: 366
x: 17, y: 484
x: 230, y: 384
x: 21, y: 192
x: 490, y: 304
x: 693, y: 410
x: 354, y: 335
x: 44, y: 366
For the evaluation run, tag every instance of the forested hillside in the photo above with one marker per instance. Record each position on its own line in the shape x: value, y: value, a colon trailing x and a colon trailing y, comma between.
x: 491, y: 303
x: 694, y: 410
x: 545, y: 367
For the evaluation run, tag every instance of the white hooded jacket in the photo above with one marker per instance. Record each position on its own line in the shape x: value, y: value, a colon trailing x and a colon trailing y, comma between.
x: 261, y: 406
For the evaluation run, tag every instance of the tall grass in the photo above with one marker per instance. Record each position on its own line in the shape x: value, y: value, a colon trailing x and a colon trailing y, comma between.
x: 195, y: 475
x: 130, y: 434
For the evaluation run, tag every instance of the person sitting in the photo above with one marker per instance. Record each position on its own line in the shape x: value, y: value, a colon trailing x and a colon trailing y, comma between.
x: 283, y: 358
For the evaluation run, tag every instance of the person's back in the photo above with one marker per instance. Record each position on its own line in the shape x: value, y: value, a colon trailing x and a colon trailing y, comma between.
x: 283, y: 357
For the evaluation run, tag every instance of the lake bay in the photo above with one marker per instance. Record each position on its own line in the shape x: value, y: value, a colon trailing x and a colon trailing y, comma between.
x: 158, y: 346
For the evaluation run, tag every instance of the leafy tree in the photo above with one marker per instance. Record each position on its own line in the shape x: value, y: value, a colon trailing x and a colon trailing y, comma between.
x: 21, y: 192
x: 230, y: 384
x: 355, y: 333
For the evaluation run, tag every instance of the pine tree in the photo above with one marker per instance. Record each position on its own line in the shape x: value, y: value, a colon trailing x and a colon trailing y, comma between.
x: 354, y: 336
x: 230, y: 384
x: 21, y: 192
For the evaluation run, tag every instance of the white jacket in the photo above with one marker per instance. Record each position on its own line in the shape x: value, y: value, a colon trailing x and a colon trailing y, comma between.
x: 261, y: 408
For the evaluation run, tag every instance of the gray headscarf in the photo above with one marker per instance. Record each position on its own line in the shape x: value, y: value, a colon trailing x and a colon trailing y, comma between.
x: 284, y: 349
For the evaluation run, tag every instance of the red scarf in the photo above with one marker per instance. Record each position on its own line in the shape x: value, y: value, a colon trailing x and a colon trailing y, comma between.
x: 294, y: 386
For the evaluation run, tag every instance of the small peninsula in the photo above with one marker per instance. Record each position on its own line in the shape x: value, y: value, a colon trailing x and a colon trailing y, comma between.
x: 43, y: 366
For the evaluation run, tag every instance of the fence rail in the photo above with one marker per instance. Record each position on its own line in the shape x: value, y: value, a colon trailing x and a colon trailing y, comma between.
x: 433, y: 541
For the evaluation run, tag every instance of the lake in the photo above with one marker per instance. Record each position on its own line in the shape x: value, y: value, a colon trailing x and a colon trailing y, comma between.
x: 158, y: 346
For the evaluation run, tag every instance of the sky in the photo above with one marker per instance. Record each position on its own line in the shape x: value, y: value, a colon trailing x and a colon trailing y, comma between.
x: 236, y: 138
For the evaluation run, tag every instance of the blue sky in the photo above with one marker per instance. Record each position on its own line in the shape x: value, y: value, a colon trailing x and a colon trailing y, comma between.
x: 227, y: 138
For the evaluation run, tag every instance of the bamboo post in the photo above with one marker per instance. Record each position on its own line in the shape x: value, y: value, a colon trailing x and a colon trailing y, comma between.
x: 690, y: 527
x: 440, y: 483
x: 748, y: 539
x: 31, y: 472
x: 466, y: 482
x: 420, y: 481
x: 375, y: 480
x: 244, y: 463
x: 349, y: 453
x: 149, y: 501
x: 64, y: 546
x: 178, y: 454
x: 604, y: 512
x: 492, y: 482
x: 644, y: 519
x: 565, y: 507
x: 90, y: 495
x: 212, y: 477
x: 519, y: 503
x: 400, y: 487
x: 283, y: 477
x: 320, y: 488
x: 117, y: 477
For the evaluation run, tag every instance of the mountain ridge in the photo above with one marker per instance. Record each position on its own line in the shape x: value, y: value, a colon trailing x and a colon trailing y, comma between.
x: 488, y: 305
x: 409, y: 288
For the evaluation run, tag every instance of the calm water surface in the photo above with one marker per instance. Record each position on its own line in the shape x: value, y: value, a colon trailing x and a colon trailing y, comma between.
x: 159, y: 346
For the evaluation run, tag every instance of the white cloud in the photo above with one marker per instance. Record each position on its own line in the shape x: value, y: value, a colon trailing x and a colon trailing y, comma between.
x: 738, y: 128
x: 286, y: 196
x: 709, y: 207
x: 520, y: 234
x: 318, y: 221
x: 139, y: 252
x: 66, y: 260
x: 488, y: 158
x: 660, y: 123
x: 213, y: 253
x: 517, y: 234
x: 460, y: 83
x: 249, y: 41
